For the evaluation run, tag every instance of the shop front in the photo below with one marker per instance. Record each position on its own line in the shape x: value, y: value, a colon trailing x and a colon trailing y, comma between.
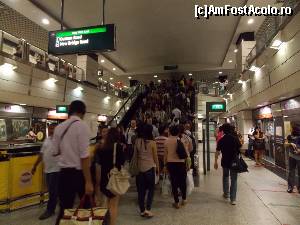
x: 277, y: 122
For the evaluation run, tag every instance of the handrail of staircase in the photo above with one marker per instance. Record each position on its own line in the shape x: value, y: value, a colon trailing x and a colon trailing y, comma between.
x: 124, y: 104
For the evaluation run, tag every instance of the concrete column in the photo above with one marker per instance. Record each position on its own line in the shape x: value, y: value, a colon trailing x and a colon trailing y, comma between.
x: 243, y: 51
x: 90, y: 67
x: 245, y: 122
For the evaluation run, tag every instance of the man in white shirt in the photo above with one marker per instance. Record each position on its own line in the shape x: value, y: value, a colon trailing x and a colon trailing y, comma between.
x: 130, y: 136
x: 70, y: 145
x: 176, y: 112
x: 51, y: 170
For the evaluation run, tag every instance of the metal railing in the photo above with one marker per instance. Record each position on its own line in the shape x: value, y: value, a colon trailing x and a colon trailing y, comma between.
x: 20, y: 50
x: 139, y: 89
x: 268, y: 30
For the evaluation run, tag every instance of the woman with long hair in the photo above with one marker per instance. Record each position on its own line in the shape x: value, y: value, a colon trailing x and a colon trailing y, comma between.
x: 104, y: 156
x: 148, y: 165
x: 259, y: 146
x: 176, y: 167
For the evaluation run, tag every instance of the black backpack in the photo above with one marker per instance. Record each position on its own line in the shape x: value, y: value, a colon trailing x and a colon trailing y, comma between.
x: 180, y: 150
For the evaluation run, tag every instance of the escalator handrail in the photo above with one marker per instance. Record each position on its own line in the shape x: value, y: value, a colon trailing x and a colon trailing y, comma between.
x: 124, y: 104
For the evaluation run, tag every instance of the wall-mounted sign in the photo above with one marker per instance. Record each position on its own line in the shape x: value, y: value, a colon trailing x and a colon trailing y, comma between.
x: 216, y: 106
x: 82, y: 40
x: 291, y: 104
x: 102, y: 118
x: 61, y: 109
x: 265, y: 113
x: 53, y: 115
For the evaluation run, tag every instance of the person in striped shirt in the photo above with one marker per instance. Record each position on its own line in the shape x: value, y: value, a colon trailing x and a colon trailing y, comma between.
x: 160, y: 143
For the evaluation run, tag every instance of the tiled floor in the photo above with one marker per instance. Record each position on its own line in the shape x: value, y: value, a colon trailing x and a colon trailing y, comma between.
x: 262, y: 200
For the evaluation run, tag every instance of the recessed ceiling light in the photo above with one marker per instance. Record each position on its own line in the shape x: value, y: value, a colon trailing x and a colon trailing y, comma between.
x: 114, y: 68
x: 155, y: 76
x: 236, y: 50
x: 45, y: 21
x: 111, y: 78
x: 250, y: 21
x: 190, y: 74
x: 23, y: 104
x: 220, y: 72
x: 129, y: 78
x: 159, y: 81
x: 102, y: 61
x: 230, y: 61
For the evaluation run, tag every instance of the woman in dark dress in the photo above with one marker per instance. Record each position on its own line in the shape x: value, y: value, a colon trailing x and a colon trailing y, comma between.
x: 259, y: 146
x: 104, y: 159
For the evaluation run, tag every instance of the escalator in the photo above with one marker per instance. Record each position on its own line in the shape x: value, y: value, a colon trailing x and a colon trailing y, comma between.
x: 129, y: 108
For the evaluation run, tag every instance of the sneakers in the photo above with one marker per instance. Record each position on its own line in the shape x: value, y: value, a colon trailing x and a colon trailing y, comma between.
x: 233, y: 202
x: 290, y: 190
x: 45, y: 215
x: 147, y: 214
x: 225, y: 196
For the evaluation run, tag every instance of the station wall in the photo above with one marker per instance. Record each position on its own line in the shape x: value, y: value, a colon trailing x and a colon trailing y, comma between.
x: 279, y: 75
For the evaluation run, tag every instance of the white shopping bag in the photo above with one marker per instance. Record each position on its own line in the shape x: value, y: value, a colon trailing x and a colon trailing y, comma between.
x: 189, y: 182
x: 165, y: 186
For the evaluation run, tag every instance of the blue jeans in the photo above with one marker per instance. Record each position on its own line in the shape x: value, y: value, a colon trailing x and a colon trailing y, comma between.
x: 52, y: 185
x: 145, y: 182
x: 233, y: 186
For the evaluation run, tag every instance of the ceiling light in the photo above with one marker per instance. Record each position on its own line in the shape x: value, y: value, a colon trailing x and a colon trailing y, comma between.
x: 220, y: 72
x: 251, y: 21
x: 235, y: 50
x: 78, y: 89
x: 129, y: 78
x: 102, y: 61
x: 159, y: 81
x: 259, y: 105
x: 190, y: 74
x: 52, y: 80
x: 285, y: 116
x: 7, y: 67
x: 230, y: 61
x: 125, y: 86
x: 276, y: 44
x: 111, y: 78
x: 22, y: 104
x: 114, y: 69
x: 45, y: 21
x: 254, y: 68
x: 155, y: 76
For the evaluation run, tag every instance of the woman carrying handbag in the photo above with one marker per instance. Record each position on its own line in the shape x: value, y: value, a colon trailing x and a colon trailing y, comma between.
x: 105, y: 157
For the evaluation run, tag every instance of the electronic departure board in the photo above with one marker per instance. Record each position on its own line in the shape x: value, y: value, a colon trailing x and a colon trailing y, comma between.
x: 82, y: 40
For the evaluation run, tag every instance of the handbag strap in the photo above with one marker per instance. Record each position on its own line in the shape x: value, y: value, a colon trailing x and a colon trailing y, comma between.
x: 82, y: 201
x: 114, y: 154
x: 63, y: 135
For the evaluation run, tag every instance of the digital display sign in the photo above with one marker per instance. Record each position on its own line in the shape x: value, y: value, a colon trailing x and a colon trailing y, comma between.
x: 61, y: 109
x: 216, y: 106
x: 82, y: 40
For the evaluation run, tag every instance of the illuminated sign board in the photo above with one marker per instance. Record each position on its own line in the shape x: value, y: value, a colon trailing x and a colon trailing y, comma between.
x: 216, y: 106
x: 82, y: 40
x: 61, y: 109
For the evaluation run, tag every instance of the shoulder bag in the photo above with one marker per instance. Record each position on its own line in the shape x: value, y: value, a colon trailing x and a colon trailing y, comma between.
x: 180, y: 150
x: 133, y: 165
x: 239, y: 165
x: 118, y: 182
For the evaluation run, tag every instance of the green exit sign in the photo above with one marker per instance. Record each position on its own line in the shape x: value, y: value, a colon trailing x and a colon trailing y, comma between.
x: 216, y: 106
x: 61, y: 109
